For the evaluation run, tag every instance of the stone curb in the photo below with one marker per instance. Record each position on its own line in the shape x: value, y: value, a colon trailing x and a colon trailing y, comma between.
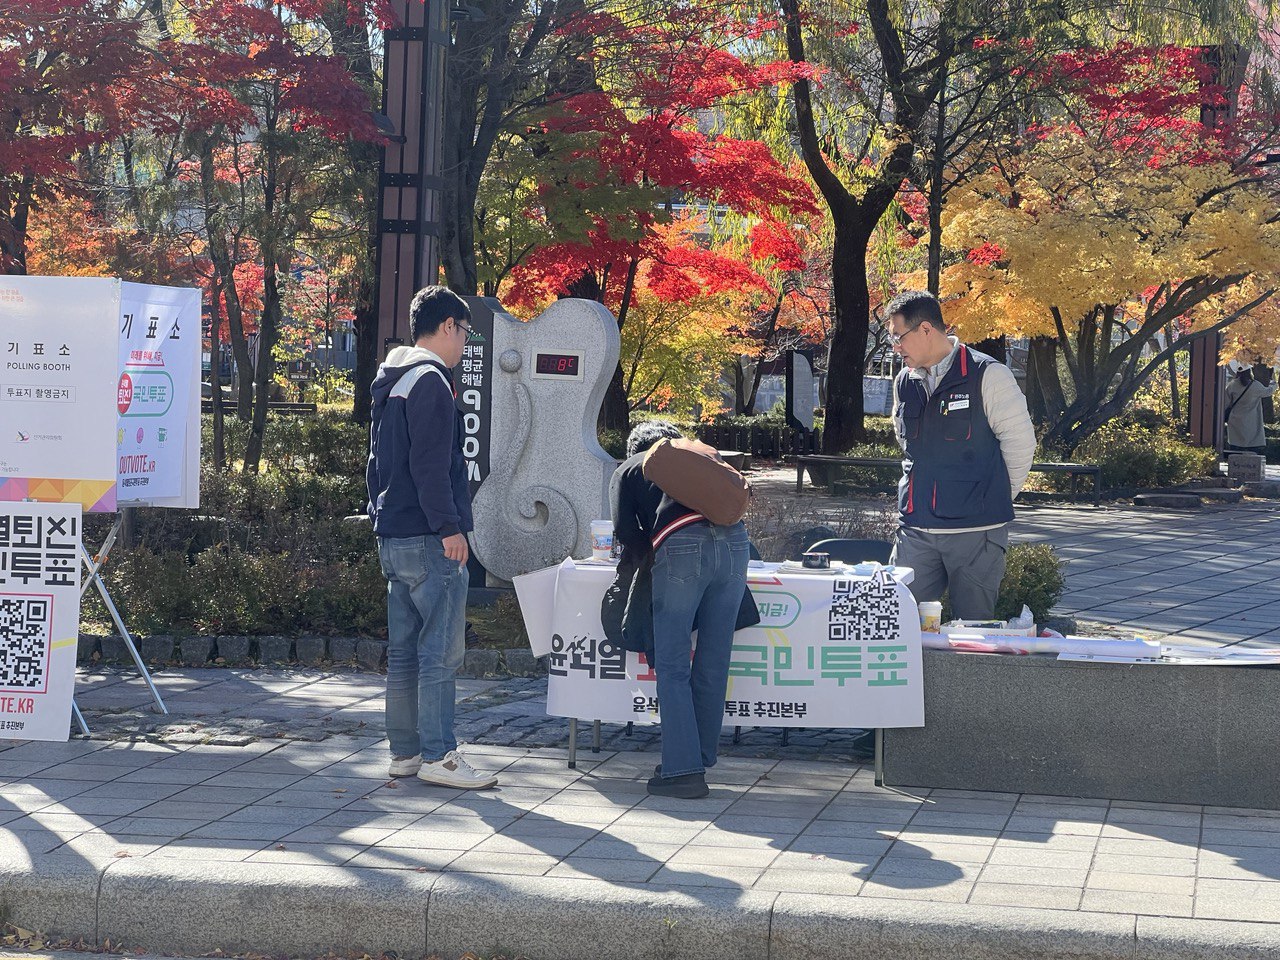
x: 194, y: 907
x: 367, y: 654
x: 55, y: 892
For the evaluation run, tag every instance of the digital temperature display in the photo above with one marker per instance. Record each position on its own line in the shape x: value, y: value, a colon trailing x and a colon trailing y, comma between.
x: 557, y: 365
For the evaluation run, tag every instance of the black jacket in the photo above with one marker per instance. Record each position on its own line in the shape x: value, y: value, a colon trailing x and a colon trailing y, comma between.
x: 626, y: 612
x: 641, y: 511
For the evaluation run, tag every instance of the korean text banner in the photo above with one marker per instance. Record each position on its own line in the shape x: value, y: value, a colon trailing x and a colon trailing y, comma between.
x: 158, y: 384
x: 57, y: 390
x: 39, y: 618
x: 830, y: 651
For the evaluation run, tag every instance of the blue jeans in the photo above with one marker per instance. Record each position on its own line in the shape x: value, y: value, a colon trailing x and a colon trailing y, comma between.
x: 699, y: 574
x: 426, y: 623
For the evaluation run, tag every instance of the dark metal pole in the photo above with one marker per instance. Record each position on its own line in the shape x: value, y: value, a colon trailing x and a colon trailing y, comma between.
x: 410, y: 188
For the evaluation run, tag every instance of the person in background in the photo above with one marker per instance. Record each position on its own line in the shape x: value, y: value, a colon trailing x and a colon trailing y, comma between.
x: 421, y: 512
x: 699, y: 573
x: 968, y: 441
x: 1245, y: 393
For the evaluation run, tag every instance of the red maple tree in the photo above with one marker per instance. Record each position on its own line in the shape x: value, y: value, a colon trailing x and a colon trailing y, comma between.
x: 620, y: 158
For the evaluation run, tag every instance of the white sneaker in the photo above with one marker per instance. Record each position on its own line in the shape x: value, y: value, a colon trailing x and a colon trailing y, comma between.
x: 405, y: 766
x: 452, y: 770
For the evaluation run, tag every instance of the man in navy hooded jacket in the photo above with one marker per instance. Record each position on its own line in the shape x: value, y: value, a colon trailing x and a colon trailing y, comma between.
x: 421, y: 512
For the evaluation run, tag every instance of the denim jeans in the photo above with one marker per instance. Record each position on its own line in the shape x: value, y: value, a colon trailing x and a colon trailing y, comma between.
x: 699, y: 574
x: 426, y: 622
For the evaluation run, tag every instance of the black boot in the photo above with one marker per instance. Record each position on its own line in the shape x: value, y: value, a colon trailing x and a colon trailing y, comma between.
x: 691, y: 786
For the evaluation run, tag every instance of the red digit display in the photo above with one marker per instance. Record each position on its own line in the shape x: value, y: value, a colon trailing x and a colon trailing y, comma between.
x: 557, y: 364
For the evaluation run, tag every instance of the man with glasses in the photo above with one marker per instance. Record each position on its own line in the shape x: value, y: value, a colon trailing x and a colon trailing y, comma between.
x: 963, y: 424
x: 421, y: 511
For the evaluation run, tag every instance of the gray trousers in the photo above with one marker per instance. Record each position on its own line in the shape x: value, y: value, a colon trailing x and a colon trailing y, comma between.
x: 969, y: 566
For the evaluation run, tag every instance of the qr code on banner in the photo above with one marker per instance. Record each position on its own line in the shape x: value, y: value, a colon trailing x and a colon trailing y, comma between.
x: 24, y: 641
x: 38, y: 550
x: 863, y: 611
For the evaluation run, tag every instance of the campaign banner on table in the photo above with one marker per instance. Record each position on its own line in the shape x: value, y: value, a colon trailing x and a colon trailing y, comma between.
x: 157, y: 390
x: 39, y: 618
x: 57, y: 390
x: 830, y: 651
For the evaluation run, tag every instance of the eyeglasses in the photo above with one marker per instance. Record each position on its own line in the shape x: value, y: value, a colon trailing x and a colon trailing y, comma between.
x: 897, y: 338
x: 465, y: 328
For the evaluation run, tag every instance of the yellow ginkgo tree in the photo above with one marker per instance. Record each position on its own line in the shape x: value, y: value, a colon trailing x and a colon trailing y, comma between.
x: 1119, y: 235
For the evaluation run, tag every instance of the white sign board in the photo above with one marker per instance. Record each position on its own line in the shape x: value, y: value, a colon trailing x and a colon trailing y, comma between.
x: 99, y: 392
x: 157, y: 395
x: 57, y: 390
x: 830, y: 651
x: 39, y: 618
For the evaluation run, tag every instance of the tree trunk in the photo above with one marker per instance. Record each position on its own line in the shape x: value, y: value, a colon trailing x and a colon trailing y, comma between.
x: 215, y: 374
x: 997, y: 347
x: 268, y: 330
x: 851, y: 302
x: 738, y: 375
x: 13, y: 228
x: 616, y: 411
x: 351, y: 41
x: 216, y: 227
x: 1042, y: 368
x: 273, y: 263
x: 855, y: 217
x: 457, y: 240
x: 366, y: 327
x: 937, y: 169
x: 749, y: 408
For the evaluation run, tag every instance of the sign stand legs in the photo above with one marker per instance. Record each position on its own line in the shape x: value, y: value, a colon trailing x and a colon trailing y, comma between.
x: 75, y: 711
x: 879, y: 766
x: 573, y: 740
x: 94, y: 563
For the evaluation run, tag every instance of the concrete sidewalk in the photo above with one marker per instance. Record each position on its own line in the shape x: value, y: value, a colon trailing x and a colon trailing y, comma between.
x: 257, y: 817
x: 303, y: 847
x: 1210, y: 576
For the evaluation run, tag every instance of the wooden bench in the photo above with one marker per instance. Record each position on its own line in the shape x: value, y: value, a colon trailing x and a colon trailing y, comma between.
x: 1074, y: 470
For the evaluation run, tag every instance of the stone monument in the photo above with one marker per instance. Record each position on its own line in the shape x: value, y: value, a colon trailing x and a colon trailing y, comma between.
x: 548, y: 476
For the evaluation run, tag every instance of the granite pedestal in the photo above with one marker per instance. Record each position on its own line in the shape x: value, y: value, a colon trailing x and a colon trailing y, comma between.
x: 1175, y: 734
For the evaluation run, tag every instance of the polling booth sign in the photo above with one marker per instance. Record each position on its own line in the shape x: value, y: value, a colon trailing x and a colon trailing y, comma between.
x: 57, y: 390
x: 100, y: 408
x: 99, y: 393
x: 39, y: 618
x: 157, y: 396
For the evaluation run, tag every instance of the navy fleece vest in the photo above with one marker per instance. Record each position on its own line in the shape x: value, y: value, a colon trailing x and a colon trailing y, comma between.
x: 953, y: 473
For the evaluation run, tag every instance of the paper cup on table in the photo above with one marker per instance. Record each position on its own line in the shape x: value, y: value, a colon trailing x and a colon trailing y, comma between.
x: 601, y: 539
x: 931, y: 616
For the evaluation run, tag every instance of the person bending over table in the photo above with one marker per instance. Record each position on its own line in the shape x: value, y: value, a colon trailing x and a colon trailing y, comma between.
x: 699, y: 572
x: 963, y: 424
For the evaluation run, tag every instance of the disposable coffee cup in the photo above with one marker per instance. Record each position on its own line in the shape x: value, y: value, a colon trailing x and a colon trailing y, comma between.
x: 601, y: 539
x: 931, y: 616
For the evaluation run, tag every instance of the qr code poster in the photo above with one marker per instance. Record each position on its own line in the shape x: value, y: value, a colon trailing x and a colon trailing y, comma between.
x: 39, y: 618
x: 828, y: 652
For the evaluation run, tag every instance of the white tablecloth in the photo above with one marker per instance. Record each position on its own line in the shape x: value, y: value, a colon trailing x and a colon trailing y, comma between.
x: 831, y: 651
